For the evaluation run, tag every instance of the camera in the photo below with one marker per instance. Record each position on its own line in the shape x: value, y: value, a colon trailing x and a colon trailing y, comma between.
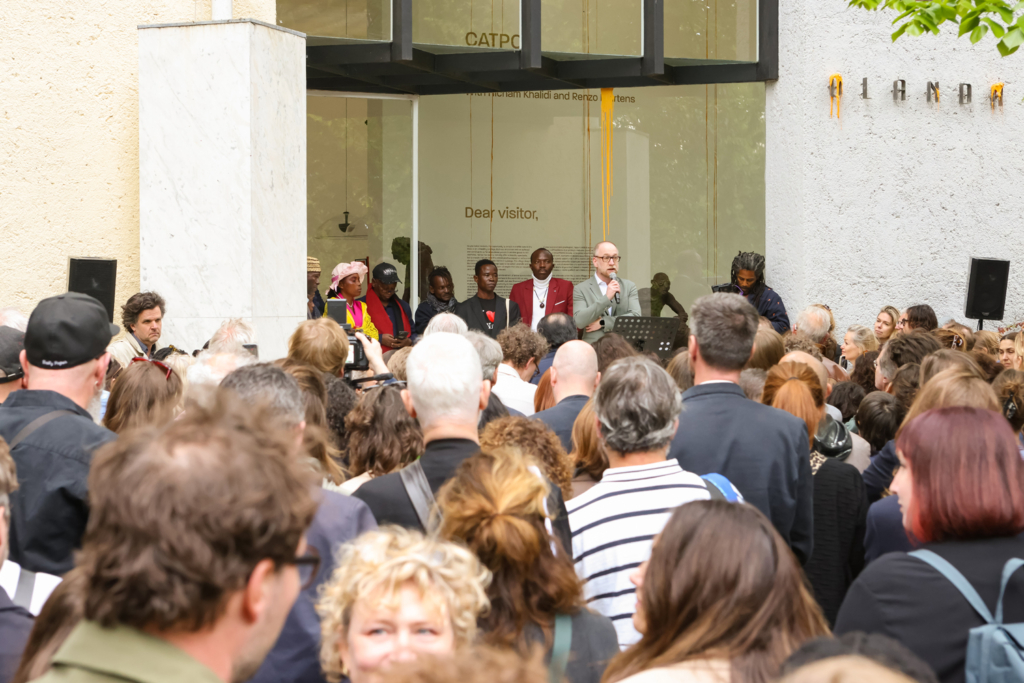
x: 357, y: 359
x: 728, y: 288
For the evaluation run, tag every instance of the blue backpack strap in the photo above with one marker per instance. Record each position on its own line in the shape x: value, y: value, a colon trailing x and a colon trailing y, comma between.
x: 721, y: 488
x: 1009, y: 568
x: 954, y: 576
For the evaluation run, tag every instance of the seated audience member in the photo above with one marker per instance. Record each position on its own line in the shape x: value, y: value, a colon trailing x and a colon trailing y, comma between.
x: 57, y: 618
x: 145, y: 394
x: 885, y: 323
x: 949, y: 339
x: 878, y: 417
x: 720, y: 599
x: 391, y: 315
x: 752, y: 383
x: 679, y: 368
x: 446, y: 322
x: 233, y: 333
x: 990, y: 367
x: 490, y: 354
x: 944, y: 359
x: 142, y: 317
x: 497, y: 507
x: 768, y: 349
x: 445, y: 393
x: 341, y: 398
x: 858, y: 339
x: 12, y: 343
x: 51, y: 432
x: 382, y: 436
x: 347, y: 285
x: 557, y: 329
x: 588, y: 454
x: 846, y: 396
x: 766, y: 454
x: 747, y: 276
x: 395, y: 596
x: 324, y: 345
x: 543, y: 398
x: 195, y: 550
x: 521, y: 347
x: 961, y: 488
x: 864, y: 373
x: 574, y: 378
x: 536, y: 441
x: 15, y: 621
x: 964, y: 331
x: 440, y: 299
x: 987, y: 342
x: 1008, y: 351
x: 1009, y: 388
x: 610, y: 348
x: 901, y: 350
x: 637, y: 406
x: 877, y: 648
x: 396, y: 364
x: 920, y: 318
x: 814, y: 323
x: 840, y: 507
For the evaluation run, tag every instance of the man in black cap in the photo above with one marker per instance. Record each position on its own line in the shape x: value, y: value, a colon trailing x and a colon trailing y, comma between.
x: 50, y: 432
x: 390, y: 315
x: 11, y: 377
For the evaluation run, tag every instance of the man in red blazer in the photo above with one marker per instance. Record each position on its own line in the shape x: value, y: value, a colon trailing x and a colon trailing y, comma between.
x: 543, y: 294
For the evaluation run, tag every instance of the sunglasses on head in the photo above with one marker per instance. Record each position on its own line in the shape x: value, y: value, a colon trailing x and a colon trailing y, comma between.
x: 163, y: 366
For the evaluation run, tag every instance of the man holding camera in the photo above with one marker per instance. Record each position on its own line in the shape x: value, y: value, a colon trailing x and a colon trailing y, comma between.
x: 597, y: 302
x: 390, y: 315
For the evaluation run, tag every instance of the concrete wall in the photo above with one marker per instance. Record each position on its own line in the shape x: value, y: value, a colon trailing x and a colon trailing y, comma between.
x: 69, y: 136
x: 886, y: 204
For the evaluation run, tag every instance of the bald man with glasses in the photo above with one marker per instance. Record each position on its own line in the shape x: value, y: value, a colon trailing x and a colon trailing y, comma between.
x: 598, y: 301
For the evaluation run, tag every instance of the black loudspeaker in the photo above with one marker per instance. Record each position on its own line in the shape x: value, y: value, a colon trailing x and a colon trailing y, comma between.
x: 95, y: 277
x: 986, y: 289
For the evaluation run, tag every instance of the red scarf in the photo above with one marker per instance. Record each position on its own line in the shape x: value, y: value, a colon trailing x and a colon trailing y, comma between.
x: 380, y: 318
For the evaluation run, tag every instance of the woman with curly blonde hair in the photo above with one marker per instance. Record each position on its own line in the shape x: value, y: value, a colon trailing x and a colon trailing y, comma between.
x: 394, y: 596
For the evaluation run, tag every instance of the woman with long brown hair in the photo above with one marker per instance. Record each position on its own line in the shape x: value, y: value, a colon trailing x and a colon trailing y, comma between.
x: 382, y: 436
x: 497, y: 506
x: 721, y: 599
x: 840, y: 504
x: 588, y: 454
x: 147, y: 393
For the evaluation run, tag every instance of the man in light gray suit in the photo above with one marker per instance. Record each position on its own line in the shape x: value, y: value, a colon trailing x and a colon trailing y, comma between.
x: 594, y: 302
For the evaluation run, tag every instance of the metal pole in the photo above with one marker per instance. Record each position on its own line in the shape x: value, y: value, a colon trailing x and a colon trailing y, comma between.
x: 414, y: 246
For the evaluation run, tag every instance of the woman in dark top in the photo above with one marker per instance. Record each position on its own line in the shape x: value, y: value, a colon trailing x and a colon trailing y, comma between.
x: 496, y: 505
x: 840, y: 504
x: 961, y: 490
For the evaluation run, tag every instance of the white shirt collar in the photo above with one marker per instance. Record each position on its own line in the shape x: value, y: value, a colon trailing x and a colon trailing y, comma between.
x: 542, y: 284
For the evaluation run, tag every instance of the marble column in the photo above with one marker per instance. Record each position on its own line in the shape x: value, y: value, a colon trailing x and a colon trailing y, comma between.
x: 222, y: 178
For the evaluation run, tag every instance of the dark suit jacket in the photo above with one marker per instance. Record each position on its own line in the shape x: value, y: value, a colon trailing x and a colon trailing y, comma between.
x: 295, y: 657
x: 885, y: 532
x: 15, y: 625
x: 472, y: 312
x: 763, y: 451
x: 559, y: 298
x: 390, y: 503
x: 562, y: 416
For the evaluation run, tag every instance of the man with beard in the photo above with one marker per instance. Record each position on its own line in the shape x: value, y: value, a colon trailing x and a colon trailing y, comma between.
x: 544, y: 294
x: 64, y: 361
x: 440, y: 299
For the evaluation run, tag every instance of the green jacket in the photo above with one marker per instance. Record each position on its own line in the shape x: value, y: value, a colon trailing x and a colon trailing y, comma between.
x: 588, y: 305
x: 92, y: 654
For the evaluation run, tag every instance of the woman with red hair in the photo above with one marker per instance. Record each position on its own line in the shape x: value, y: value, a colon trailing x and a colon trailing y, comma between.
x: 961, y: 491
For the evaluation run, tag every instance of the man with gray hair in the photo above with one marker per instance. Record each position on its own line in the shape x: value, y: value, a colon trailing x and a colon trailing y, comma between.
x: 491, y: 356
x: 614, y: 522
x: 764, y: 451
x: 446, y: 322
x: 814, y: 323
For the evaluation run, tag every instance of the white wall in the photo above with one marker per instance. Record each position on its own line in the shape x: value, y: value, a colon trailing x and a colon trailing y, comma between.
x: 886, y: 204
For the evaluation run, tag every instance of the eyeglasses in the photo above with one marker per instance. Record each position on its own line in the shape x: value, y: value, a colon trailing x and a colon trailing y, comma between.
x: 163, y: 366
x: 308, y: 566
x: 903, y: 321
x: 610, y: 259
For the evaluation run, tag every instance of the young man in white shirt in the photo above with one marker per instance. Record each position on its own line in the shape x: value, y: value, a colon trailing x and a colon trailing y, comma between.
x: 521, y: 350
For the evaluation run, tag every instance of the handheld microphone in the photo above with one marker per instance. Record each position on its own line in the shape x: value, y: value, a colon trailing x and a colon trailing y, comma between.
x: 616, y: 278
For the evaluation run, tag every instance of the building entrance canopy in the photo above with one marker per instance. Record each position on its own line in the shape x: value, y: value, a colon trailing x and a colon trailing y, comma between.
x: 434, y: 47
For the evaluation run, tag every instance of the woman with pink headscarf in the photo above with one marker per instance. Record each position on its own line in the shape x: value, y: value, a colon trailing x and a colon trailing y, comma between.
x: 347, y: 284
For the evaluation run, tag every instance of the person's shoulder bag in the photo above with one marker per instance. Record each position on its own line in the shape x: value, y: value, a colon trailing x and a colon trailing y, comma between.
x: 414, y: 479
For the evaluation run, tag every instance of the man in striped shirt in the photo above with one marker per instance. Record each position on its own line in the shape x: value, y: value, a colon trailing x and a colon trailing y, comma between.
x: 614, y: 523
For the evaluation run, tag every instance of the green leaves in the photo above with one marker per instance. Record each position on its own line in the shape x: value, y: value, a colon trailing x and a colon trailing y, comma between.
x: 975, y: 18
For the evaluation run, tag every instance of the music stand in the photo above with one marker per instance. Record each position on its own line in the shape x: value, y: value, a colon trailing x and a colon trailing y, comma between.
x: 648, y: 334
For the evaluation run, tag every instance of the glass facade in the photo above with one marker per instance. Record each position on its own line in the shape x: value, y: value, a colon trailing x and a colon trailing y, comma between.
x: 710, y: 31
x: 501, y: 175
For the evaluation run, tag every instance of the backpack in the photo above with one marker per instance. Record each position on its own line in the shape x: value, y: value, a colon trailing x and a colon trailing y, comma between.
x: 995, y: 651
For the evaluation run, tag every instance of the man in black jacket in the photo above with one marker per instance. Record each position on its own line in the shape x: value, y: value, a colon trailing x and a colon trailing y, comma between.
x: 763, y: 451
x: 486, y: 311
x: 51, y: 432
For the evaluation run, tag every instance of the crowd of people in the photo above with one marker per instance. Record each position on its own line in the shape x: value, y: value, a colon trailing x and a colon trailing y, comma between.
x: 509, y: 490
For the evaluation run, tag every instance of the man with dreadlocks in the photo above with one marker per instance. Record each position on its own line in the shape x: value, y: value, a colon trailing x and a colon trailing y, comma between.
x: 748, y: 278
x: 440, y: 299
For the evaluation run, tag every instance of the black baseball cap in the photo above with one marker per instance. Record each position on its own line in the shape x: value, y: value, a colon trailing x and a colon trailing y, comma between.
x: 386, y: 273
x: 12, y: 341
x: 67, y: 330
